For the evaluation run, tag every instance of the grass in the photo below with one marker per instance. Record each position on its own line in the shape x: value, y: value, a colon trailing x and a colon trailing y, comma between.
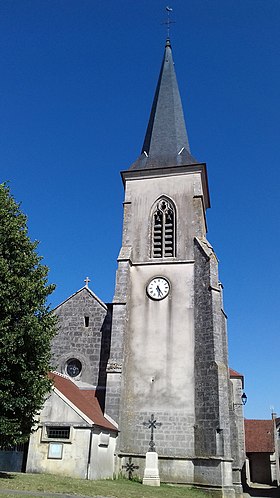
x: 120, y: 488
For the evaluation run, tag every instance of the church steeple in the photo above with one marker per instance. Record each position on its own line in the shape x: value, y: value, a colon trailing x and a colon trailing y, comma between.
x: 166, y: 141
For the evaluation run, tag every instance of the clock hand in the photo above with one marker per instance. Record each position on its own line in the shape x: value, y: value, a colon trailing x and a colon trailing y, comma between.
x: 159, y: 291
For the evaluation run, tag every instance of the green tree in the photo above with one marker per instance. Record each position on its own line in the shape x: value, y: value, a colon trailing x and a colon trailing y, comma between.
x: 26, y: 325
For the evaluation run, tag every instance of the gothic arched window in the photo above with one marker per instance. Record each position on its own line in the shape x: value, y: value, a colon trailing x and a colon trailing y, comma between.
x: 163, y: 229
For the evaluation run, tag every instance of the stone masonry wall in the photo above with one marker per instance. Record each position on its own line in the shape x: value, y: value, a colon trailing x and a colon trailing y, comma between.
x: 212, y: 378
x: 221, y: 355
x: 115, y: 363
x: 76, y: 340
x: 119, y: 316
x: 171, y: 438
x: 206, y: 378
x: 237, y: 430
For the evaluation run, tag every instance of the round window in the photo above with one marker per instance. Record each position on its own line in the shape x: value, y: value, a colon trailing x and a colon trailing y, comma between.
x: 73, y: 367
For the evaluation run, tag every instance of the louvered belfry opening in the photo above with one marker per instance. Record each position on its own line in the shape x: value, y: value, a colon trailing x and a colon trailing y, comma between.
x: 163, y: 230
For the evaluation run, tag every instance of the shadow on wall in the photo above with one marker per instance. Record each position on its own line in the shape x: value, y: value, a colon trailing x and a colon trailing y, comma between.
x: 104, y: 357
x: 4, y: 475
x: 262, y: 491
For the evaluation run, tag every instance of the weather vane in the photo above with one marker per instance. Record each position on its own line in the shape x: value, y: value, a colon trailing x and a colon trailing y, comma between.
x: 168, y: 22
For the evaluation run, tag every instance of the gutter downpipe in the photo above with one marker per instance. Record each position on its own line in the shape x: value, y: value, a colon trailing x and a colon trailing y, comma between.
x: 89, y: 452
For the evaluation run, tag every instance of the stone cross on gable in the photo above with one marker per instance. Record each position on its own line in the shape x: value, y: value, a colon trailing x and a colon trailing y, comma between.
x: 87, y: 280
x: 152, y: 424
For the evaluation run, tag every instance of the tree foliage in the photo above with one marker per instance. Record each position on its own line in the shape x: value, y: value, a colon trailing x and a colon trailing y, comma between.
x: 26, y: 324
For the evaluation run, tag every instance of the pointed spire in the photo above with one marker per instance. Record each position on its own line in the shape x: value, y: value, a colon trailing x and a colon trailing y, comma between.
x: 166, y: 141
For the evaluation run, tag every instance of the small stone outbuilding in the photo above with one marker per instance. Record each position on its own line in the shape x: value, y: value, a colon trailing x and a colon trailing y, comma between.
x: 262, y: 459
x: 73, y: 437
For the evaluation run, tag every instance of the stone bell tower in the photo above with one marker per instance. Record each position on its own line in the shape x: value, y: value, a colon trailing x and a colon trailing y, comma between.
x: 169, y: 344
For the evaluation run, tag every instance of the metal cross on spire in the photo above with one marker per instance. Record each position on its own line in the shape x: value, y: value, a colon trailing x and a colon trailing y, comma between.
x: 152, y: 424
x: 87, y: 280
x: 168, y: 22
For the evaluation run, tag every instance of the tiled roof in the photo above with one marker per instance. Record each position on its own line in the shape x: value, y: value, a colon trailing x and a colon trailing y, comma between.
x: 259, y: 436
x: 89, y: 394
x: 85, y: 402
x: 235, y: 375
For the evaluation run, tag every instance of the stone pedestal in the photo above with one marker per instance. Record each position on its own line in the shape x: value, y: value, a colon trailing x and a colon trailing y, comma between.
x: 151, y: 473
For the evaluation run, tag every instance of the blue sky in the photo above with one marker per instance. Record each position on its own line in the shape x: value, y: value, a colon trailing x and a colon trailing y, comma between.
x: 77, y: 82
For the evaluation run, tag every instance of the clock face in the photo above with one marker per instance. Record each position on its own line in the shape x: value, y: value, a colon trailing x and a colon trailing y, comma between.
x: 158, y: 288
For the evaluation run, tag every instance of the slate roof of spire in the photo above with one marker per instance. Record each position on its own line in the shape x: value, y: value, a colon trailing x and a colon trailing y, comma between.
x: 166, y: 142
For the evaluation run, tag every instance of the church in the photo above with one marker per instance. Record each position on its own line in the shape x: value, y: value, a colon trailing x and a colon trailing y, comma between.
x: 158, y: 354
